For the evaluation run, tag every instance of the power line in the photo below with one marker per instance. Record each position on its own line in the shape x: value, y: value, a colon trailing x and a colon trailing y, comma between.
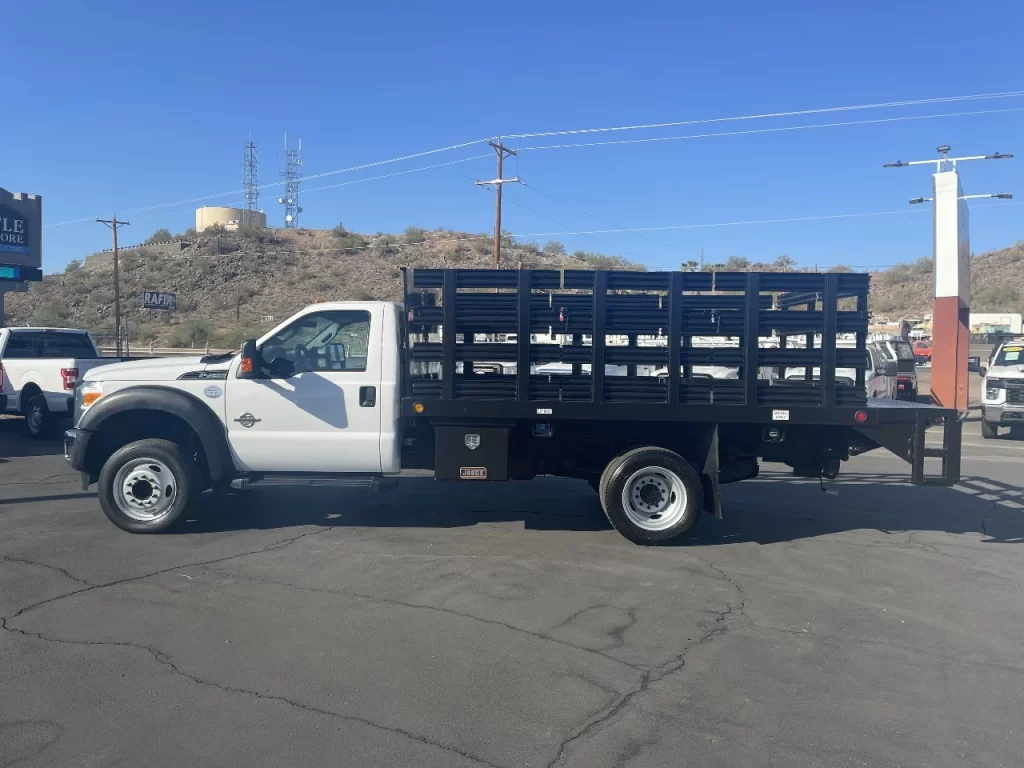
x: 780, y: 129
x: 598, y: 218
x: 346, y: 183
x: 795, y: 113
x: 567, y: 227
x: 914, y: 102
x: 752, y: 221
x: 281, y: 183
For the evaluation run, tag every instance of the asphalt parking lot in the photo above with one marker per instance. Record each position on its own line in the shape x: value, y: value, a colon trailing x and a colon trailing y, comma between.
x: 509, y: 626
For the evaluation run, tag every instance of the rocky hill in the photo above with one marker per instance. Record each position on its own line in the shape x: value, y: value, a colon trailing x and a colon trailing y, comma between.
x: 231, y: 286
x: 997, y: 285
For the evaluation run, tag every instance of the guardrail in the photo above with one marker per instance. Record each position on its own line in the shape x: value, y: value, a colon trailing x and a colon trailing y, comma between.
x: 151, y: 351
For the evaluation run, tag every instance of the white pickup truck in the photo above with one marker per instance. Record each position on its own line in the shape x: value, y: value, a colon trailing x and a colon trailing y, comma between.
x: 352, y: 394
x: 1002, y: 390
x: 39, y: 368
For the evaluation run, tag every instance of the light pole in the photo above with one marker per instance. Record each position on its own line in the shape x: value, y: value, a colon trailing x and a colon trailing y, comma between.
x: 952, y: 254
x: 1000, y: 195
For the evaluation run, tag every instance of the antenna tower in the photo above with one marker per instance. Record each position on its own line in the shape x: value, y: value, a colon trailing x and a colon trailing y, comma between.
x: 292, y: 178
x: 250, y: 186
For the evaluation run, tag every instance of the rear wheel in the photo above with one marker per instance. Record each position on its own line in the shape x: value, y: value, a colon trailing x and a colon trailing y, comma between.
x: 651, y: 495
x: 38, y: 418
x: 989, y: 431
x: 146, y: 485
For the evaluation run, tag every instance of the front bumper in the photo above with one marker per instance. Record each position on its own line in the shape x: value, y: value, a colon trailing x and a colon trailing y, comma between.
x: 1003, y: 415
x: 76, y: 442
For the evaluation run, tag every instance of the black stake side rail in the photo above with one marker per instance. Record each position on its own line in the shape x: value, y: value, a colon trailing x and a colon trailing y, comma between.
x: 448, y: 309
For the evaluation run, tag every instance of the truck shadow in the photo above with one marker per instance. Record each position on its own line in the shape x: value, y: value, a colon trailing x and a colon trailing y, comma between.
x: 546, y: 504
x: 790, y: 509
x: 796, y: 508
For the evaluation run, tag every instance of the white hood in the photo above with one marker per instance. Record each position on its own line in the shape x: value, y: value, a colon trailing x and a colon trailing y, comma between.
x: 157, y: 369
x: 1006, y: 372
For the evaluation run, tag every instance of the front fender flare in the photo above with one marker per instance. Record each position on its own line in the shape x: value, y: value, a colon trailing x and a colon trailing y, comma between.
x: 190, y: 409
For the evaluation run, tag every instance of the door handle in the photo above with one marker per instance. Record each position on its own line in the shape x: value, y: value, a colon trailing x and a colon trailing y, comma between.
x: 367, y: 397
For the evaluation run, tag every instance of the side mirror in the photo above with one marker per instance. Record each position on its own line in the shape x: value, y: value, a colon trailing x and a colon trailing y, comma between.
x: 250, y: 367
x: 983, y: 370
x: 974, y: 363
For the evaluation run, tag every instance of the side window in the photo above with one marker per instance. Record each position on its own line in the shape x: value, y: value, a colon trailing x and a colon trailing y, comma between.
x: 333, y: 340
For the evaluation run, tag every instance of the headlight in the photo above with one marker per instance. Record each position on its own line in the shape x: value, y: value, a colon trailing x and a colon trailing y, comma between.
x: 993, y: 387
x: 86, y: 393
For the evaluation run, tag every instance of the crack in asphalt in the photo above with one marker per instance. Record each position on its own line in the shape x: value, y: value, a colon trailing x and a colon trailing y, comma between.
x: 721, y: 624
x: 166, y: 660
x: 433, y: 608
x: 57, y: 568
x: 983, y: 524
x: 140, y: 577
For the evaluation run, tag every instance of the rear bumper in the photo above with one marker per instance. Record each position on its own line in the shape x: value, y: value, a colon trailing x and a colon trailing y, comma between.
x: 60, y: 403
x: 1003, y: 415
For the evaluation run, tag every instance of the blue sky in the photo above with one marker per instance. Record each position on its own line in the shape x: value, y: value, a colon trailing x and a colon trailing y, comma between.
x: 120, y: 106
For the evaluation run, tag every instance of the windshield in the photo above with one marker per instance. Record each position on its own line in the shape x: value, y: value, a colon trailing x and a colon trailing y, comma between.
x: 903, y: 350
x: 1012, y: 355
x: 30, y: 344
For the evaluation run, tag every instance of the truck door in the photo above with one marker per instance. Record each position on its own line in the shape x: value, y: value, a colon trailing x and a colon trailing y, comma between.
x: 317, y: 409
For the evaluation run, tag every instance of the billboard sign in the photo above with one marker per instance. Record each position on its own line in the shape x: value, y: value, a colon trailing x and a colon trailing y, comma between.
x: 21, y: 230
x: 14, y: 230
x: 159, y: 300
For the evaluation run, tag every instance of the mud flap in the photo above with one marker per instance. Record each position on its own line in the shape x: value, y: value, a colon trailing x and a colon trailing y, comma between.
x: 709, y: 474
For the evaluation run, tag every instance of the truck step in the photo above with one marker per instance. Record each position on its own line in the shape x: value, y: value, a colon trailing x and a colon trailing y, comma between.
x: 369, y: 481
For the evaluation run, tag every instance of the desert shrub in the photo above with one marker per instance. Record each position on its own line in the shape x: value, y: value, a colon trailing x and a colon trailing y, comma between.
x: 160, y: 236
x: 414, y: 235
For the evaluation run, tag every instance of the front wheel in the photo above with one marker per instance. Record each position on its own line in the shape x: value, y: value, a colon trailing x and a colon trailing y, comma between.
x: 988, y: 431
x: 146, y: 485
x: 651, y: 495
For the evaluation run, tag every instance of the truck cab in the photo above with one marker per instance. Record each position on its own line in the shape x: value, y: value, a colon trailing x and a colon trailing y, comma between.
x: 322, y: 396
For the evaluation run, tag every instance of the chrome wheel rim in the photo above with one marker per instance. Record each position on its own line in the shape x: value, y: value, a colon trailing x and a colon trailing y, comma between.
x: 654, y: 498
x: 35, y: 418
x: 145, y: 489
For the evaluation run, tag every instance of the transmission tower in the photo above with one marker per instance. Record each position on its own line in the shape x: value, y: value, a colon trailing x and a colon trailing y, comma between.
x: 250, y: 186
x: 292, y: 178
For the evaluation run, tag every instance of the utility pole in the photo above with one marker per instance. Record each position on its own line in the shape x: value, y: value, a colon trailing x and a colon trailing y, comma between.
x: 501, y: 151
x: 114, y: 224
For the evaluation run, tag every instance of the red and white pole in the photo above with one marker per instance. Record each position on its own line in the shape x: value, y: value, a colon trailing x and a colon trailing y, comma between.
x: 951, y: 314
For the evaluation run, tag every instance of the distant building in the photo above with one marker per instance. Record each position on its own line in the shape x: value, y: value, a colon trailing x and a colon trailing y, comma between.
x: 229, y: 218
x: 996, y: 322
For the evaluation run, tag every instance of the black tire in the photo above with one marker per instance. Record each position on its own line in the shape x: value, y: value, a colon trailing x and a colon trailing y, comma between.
x: 163, y: 457
x: 38, y: 420
x: 988, y: 431
x: 667, y: 470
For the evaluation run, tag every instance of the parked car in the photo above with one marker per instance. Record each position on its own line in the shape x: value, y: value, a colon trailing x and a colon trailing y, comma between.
x: 922, y: 351
x: 39, y: 368
x: 906, y: 372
